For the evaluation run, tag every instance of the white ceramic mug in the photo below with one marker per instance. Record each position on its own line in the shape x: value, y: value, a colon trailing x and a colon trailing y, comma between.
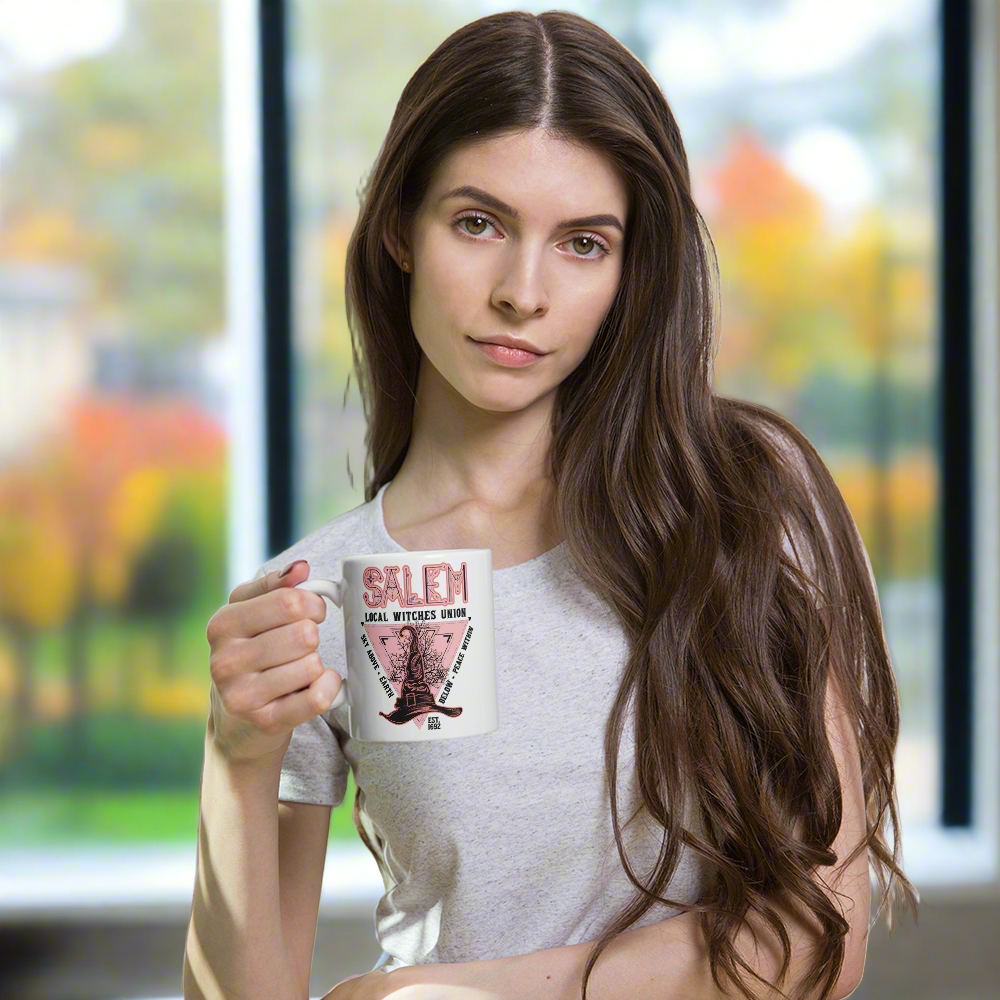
x: 419, y: 643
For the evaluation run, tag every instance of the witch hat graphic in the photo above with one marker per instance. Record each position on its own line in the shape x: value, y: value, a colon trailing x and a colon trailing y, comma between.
x: 416, y: 697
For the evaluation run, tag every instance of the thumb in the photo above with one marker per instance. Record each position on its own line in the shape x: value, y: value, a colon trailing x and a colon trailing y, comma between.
x: 294, y: 573
x: 291, y: 576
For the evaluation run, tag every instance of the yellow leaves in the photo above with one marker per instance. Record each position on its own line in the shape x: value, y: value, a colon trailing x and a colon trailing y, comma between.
x: 44, y: 235
x: 911, y: 481
x: 778, y: 260
x: 111, y: 144
x: 908, y: 488
x: 109, y: 573
x: 801, y: 294
x: 97, y: 493
x: 334, y: 336
x: 40, y: 556
x: 37, y: 565
x: 137, y: 503
x: 183, y: 696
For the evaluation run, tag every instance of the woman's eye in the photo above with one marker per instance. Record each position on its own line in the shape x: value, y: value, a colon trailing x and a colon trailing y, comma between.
x: 591, y: 244
x: 475, y: 219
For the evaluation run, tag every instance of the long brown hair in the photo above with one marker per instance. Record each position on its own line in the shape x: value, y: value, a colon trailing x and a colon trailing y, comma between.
x: 729, y: 651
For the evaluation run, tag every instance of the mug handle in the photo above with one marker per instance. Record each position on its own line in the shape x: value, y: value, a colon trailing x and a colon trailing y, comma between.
x: 334, y: 590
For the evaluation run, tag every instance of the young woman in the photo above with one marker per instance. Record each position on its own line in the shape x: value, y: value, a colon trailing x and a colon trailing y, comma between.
x: 713, y: 663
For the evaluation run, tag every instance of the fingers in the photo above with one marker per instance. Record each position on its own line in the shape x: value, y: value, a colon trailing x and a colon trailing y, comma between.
x: 266, y: 603
x: 291, y: 710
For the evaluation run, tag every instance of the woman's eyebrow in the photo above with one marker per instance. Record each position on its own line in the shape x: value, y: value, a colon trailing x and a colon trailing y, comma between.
x: 468, y: 191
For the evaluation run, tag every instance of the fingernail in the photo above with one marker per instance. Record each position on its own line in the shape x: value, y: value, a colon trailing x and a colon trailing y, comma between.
x: 290, y: 567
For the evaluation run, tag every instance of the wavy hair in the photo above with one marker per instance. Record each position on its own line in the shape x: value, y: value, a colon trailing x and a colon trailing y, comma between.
x: 730, y: 652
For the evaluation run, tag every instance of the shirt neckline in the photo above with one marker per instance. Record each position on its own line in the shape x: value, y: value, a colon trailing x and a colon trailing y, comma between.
x: 508, y: 580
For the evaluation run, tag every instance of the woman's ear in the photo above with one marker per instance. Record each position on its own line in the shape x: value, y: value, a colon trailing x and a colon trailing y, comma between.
x: 397, y: 249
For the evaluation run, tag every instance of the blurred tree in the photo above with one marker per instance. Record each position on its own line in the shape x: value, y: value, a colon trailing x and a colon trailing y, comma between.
x: 38, y: 580
x: 160, y: 589
x: 769, y: 233
x: 125, y: 485
x: 127, y: 145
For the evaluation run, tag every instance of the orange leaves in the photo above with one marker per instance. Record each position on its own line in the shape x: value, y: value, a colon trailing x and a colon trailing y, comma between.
x: 74, y: 513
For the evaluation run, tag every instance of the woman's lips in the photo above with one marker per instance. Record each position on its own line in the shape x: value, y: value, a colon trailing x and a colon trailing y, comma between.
x: 509, y: 357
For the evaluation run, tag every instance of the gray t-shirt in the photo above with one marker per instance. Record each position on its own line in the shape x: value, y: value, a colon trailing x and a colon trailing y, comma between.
x: 499, y: 844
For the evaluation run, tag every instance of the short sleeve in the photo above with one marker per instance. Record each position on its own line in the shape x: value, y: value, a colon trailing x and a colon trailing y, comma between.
x: 314, y: 768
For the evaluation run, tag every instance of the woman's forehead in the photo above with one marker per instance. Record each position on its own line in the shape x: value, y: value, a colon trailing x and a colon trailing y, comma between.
x: 533, y: 167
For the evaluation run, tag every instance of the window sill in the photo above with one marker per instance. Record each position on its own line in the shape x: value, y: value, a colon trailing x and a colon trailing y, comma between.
x: 155, y: 884
x: 150, y: 884
x: 950, y: 864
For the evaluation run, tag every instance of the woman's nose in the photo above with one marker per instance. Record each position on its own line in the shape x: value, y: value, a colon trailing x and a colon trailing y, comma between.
x: 522, y: 289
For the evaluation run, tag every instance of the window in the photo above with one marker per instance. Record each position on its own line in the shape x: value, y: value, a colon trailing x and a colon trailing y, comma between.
x: 813, y: 136
x: 114, y: 452
x: 147, y: 328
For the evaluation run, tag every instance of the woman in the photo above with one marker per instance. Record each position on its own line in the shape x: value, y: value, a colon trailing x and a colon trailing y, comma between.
x: 725, y: 629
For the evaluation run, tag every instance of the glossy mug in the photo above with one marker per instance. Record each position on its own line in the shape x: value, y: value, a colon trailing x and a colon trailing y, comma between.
x: 419, y: 642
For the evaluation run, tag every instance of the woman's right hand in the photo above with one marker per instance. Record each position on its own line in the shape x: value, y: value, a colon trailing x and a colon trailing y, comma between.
x: 267, y: 676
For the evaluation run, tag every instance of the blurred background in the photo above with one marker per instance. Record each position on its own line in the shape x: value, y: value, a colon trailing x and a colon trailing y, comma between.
x: 178, y: 183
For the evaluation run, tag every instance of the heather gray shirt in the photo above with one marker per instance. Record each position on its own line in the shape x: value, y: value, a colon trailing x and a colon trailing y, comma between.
x: 500, y: 844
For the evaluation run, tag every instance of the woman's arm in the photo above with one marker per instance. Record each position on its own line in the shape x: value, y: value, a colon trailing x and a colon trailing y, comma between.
x: 235, y: 946
x: 303, y: 835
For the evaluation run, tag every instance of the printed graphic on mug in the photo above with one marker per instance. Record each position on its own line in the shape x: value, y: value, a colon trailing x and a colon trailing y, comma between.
x: 419, y: 653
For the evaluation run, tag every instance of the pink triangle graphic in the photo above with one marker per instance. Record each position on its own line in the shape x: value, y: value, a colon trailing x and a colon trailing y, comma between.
x: 438, y: 642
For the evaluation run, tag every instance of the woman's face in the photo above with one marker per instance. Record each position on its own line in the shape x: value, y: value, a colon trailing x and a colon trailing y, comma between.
x: 505, y: 261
